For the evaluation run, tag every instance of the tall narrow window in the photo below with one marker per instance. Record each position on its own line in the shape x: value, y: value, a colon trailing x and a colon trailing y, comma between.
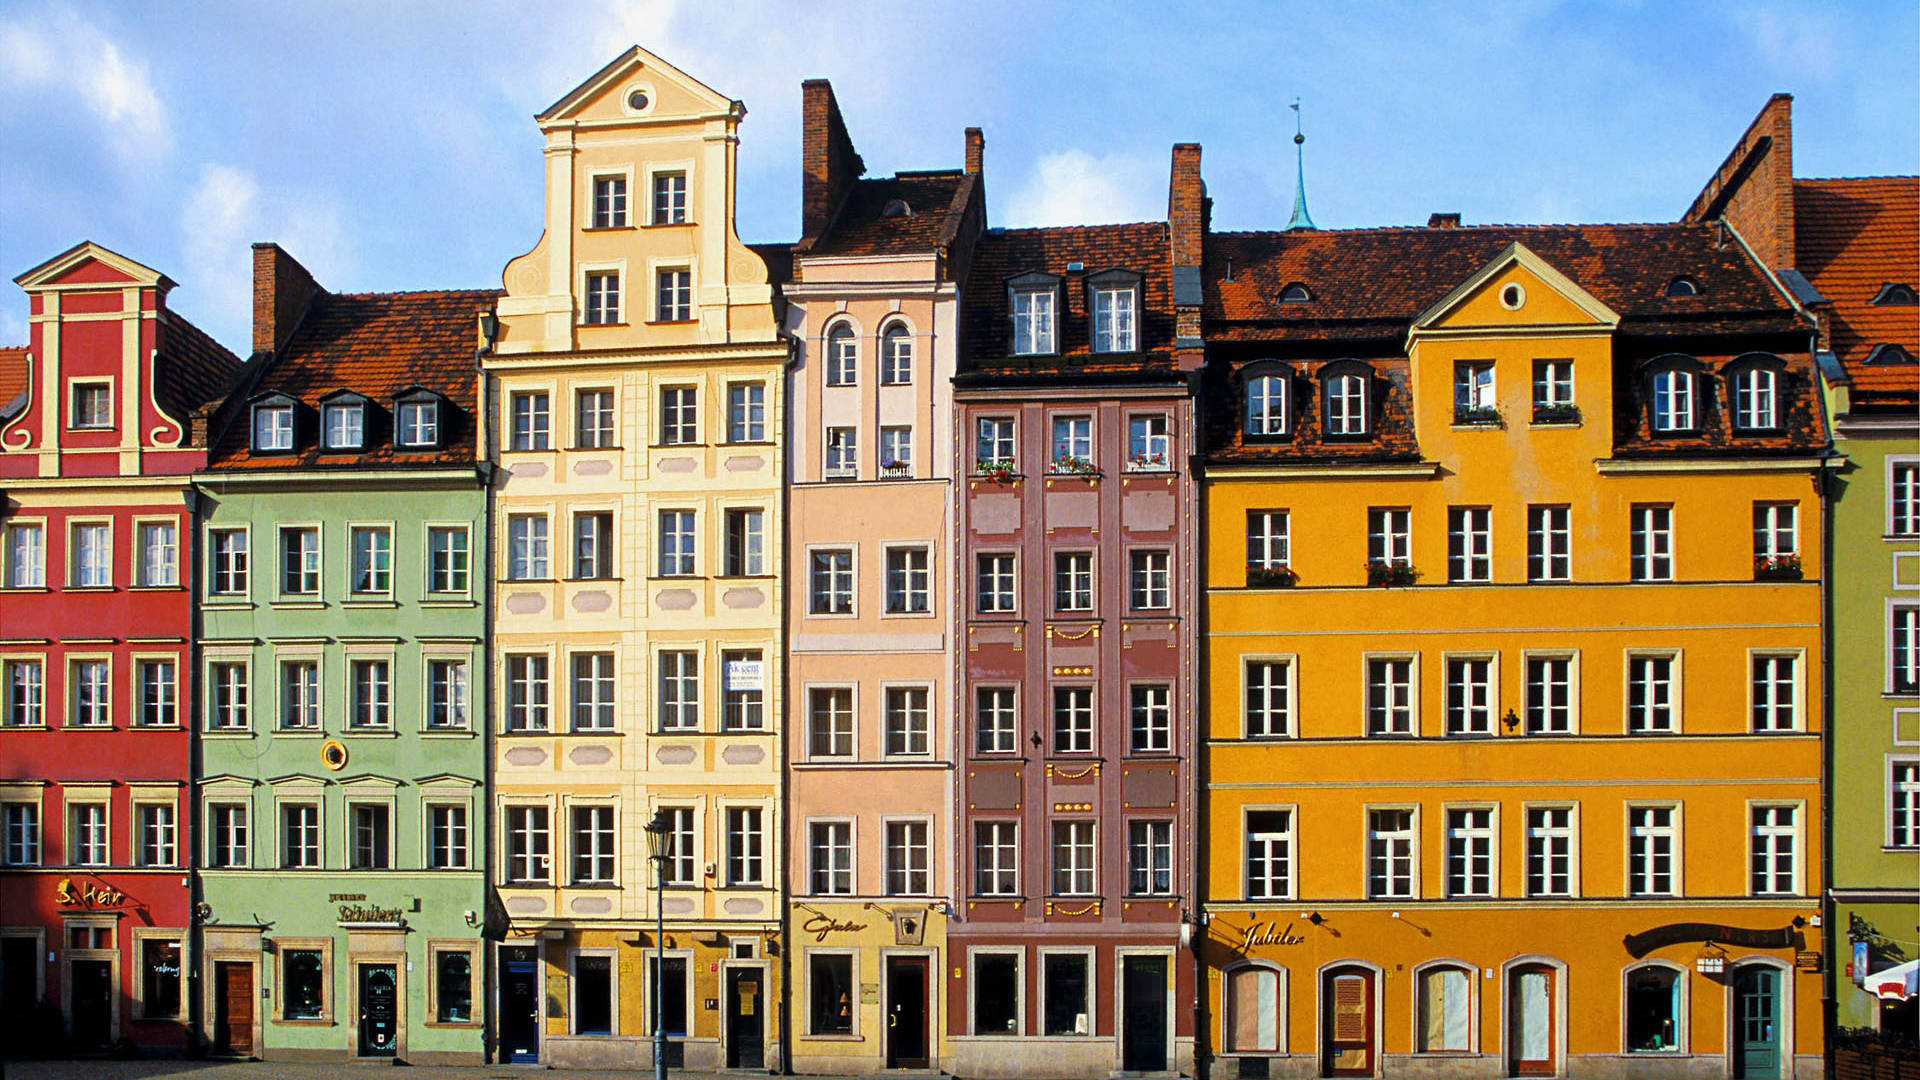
x: 994, y: 444
x: 1073, y: 855
x: 1651, y: 698
x: 1346, y: 405
x: 227, y: 841
x: 300, y: 836
x: 673, y: 296
x: 1756, y: 404
x: 996, y: 858
x: 742, y: 679
x: 1903, y: 650
x: 1549, y: 695
x: 746, y: 543
x: 1269, y: 699
x: 1474, y: 400
x: 993, y: 721
x: 157, y: 834
x: 1469, y: 544
x: 447, y: 565
x: 830, y: 722
x: 1269, y: 854
x: 27, y: 557
x: 529, y: 693
x: 1267, y: 405
x: 1151, y: 725
x: 92, y: 556
x: 676, y: 543
x: 896, y: 356
x: 447, y: 843
x: 529, y: 846
x: 1553, y: 392
x: 593, y: 848
x: 1149, y: 858
x: 92, y: 693
x: 1470, y: 702
x: 1775, y: 854
x: 1149, y: 443
x: 1775, y: 693
x: 1549, y: 543
x: 909, y: 859
x: 830, y: 589
x: 670, y: 198
x: 843, y: 356
x: 678, y: 869
x: 593, y: 419
x: 1390, y: 866
x: 1390, y: 696
x: 609, y: 202
x: 1389, y: 537
x: 527, y: 547
x: 1269, y: 540
x: 372, y: 560
x: 746, y: 412
x: 994, y: 584
x: 159, y: 694
x: 26, y: 693
x: 1550, y: 851
x: 1653, y: 841
x: 896, y: 451
x: 1903, y: 498
x: 908, y: 721
x: 159, y: 555
x: 1652, y: 543
x: 679, y: 415
x: 531, y: 420
x: 746, y: 846
x: 1903, y: 804
x: 227, y: 701
x: 230, y: 562
x: 1113, y: 319
x: 909, y: 589
x: 593, y: 546
x: 602, y: 306
x: 1073, y: 581
x: 679, y: 696
x: 830, y: 858
x: 1776, y: 543
x: 593, y: 692
x: 1032, y: 311
x: 843, y: 453
x: 1072, y: 443
x: 87, y: 834
x: 1672, y: 408
x: 300, y: 695
x: 1150, y: 580
x: 1072, y: 719
x: 372, y: 694
x: 22, y: 841
x: 1470, y: 869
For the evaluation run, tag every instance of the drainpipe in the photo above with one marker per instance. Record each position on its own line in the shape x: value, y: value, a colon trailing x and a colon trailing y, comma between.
x: 190, y: 870
x: 785, y: 1033
x: 1829, y: 981
x: 483, y: 477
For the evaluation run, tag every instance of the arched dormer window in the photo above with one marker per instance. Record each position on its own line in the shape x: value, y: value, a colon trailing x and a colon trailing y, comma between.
x: 1655, y: 1008
x: 421, y: 419
x: 1675, y: 391
x: 1888, y: 353
x: 1296, y: 292
x: 1755, y: 382
x: 1268, y: 404
x: 1895, y: 294
x: 1682, y: 287
x: 1346, y: 392
x: 1032, y: 301
x: 1113, y: 302
x: 896, y: 355
x: 273, y: 424
x: 896, y: 208
x: 344, y: 419
x: 843, y: 355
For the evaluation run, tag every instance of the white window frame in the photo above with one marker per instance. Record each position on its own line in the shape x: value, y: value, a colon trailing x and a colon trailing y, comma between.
x: 90, y: 567
x: 1471, y: 706
x: 1289, y: 703
x: 156, y: 566
x: 1114, y: 317
x: 1756, y: 399
x: 1774, y: 843
x: 673, y: 294
x: 1469, y: 545
x: 1671, y: 408
x: 1570, y: 657
x: 26, y: 562
x: 1764, y: 696
x: 1650, y: 542
x: 1004, y: 867
x: 1489, y: 835
x: 1285, y: 888
x: 1032, y: 310
x: 1402, y: 699
x: 1071, y: 730
x: 1005, y: 592
x: 896, y: 353
x: 1570, y: 832
x: 1267, y: 404
x: 919, y: 860
x: 1675, y: 697
x: 841, y: 725
x: 684, y: 706
x: 1158, y: 851
x: 1903, y: 496
x: 1346, y: 405
x: 1149, y: 713
x: 1390, y: 535
x: 840, y: 352
x: 923, y: 715
x: 1080, y: 873
x: 832, y: 863
x: 1149, y: 579
x: 1902, y: 800
x: 1549, y: 542
x: 1676, y: 861
x: 1410, y: 835
x: 1269, y: 539
x: 618, y: 211
x: 1006, y: 722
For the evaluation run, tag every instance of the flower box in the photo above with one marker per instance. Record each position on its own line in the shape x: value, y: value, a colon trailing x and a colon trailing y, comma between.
x: 1147, y: 463
x: 1073, y: 465
x: 1776, y: 568
x: 1270, y: 577
x: 1482, y: 416
x: 1556, y: 414
x: 1386, y: 574
x: 1000, y: 472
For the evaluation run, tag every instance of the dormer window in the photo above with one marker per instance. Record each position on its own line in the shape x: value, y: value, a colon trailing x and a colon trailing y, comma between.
x: 1344, y: 398
x: 1296, y: 293
x: 1755, y: 383
x: 273, y: 426
x: 418, y: 421
x: 1681, y: 287
x: 1267, y: 404
x: 343, y: 422
x: 1894, y: 294
x: 1675, y: 395
x: 1114, y: 300
x: 896, y: 208
x: 1031, y: 300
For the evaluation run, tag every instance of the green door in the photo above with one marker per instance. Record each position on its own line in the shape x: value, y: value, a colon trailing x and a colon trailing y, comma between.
x: 1756, y: 1011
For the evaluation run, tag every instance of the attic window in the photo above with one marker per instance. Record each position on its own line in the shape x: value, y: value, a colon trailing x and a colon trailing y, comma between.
x: 343, y: 425
x: 1894, y: 294
x: 1682, y: 286
x: 1296, y: 293
x: 273, y: 427
x: 418, y: 421
x: 896, y: 208
x: 638, y: 99
x: 1889, y: 353
x: 1512, y: 297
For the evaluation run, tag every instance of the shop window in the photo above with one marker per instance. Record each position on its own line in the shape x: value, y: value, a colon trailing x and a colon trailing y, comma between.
x: 830, y: 993
x: 1253, y: 1010
x: 453, y: 987
x: 1653, y: 1010
x: 593, y: 995
x: 159, y: 979
x: 668, y: 986
x: 304, y: 985
x: 1067, y: 1008
x: 996, y: 993
x: 1445, y: 1010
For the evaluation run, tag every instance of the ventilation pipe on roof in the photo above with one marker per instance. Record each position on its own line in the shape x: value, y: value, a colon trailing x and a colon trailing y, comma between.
x: 1444, y: 221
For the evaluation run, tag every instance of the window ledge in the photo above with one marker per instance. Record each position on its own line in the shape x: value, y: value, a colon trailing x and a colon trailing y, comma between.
x: 591, y: 580
x: 92, y: 588
x: 606, y: 228
x: 298, y: 605
x: 156, y: 727
x: 596, y: 733
x: 457, y: 1025
x: 747, y: 442
x: 606, y: 324
x: 24, y: 727
x: 43, y: 588
x: 370, y: 603
x: 298, y: 733
x: 370, y: 733
x: 811, y: 1037
x: 449, y: 603
x: 227, y: 734
x: 672, y: 322
x: 610, y: 448
x: 669, y: 224
x: 227, y: 603
x: 301, y: 1023
x: 447, y: 733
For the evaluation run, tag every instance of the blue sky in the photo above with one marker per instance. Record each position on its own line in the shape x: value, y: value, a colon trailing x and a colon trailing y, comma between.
x: 390, y: 145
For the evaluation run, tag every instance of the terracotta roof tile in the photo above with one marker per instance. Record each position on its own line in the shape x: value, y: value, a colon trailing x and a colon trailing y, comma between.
x: 195, y: 371
x: 1002, y: 254
x: 375, y: 344
x: 864, y: 227
x: 1852, y: 237
x: 13, y: 375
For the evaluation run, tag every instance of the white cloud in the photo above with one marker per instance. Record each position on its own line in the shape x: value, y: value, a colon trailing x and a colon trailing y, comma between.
x: 1798, y: 40
x: 224, y: 214
x: 57, y: 49
x: 1073, y: 187
x: 13, y: 326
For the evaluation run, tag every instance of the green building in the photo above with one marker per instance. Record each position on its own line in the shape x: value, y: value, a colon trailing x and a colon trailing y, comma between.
x: 342, y: 817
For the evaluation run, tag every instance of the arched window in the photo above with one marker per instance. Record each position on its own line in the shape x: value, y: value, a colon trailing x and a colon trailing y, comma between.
x: 1756, y: 385
x: 1345, y: 408
x: 1655, y: 1015
x: 1894, y: 294
x: 1267, y: 404
x: 1444, y: 1009
x: 1673, y: 407
x: 1256, y: 1000
x: 1296, y: 293
x: 896, y: 355
x: 1683, y: 286
x: 843, y: 356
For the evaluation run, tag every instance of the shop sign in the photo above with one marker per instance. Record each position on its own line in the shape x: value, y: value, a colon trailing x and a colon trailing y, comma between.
x: 86, y: 895
x: 743, y: 675
x: 1639, y: 945
x: 1807, y: 961
x: 1269, y: 933
x: 820, y: 924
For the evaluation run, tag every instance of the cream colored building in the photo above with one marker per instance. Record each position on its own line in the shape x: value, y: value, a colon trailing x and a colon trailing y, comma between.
x: 636, y: 387
x: 874, y: 304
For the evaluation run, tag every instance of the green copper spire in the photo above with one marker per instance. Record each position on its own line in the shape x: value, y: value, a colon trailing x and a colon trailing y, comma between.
x: 1301, y: 219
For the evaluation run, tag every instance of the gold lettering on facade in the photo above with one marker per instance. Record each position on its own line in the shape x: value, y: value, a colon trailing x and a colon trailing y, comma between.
x: 86, y: 894
x: 1269, y: 934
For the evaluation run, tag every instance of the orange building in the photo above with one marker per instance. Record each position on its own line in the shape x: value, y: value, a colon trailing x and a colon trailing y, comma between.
x: 1512, y: 762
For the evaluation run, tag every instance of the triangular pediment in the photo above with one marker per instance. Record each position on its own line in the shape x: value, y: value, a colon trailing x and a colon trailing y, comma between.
x: 89, y: 264
x: 604, y: 97
x: 1516, y: 292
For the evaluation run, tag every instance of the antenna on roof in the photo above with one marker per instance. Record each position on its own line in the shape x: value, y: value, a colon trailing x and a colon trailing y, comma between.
x: 1301, y: 219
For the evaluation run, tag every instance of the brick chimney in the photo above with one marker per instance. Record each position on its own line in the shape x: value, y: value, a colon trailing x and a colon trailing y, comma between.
x: 1753, y: 187
x: 1443, y: 221
x: 1186, y: 236
x: 828, y: 163
x: 976, y: 149
x: 282, y: 291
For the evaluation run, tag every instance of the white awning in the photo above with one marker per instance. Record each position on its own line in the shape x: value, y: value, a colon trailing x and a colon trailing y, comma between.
x: 1895, y: 983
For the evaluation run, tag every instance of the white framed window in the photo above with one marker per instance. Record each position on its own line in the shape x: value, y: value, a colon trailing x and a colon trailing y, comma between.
x: 343, y: 425
x: 994, y: 590
x: 1391, y: 695
x: 843, y: 355
x: 1552, y: 388
x: 1073, y: 719
x: 909, y: 858
x: 830, y: 858
x: 746, y: 846
x: 1651, y: 552
x: 593, y: 691
x: 1471, y: 852
x: 299, y: 836
x: 1389, y: 536
x: 1073, y: 858
x: 1073, y: 581
x: 896, y: 450
x: 91, y: 555
x: 1150, y: 728
x: 1756, y: 399
x: 1150, y: 580
x: 1903, y: 648
x: 746, y: 412
x: 679, y: 693
x: 1774, y: 849
x: 158, y: 686
x: 371, y: 694
x: 90, y: 693
x: 746, y: 554
x: 528, y: 839
x: 1346, y: 405
x: 673, y: 295
x: 1551, y: 846
x: 1551, y: 698
x: 609, y: 202
x: 1776, y: 536
x: 529, y: 693
x: 227, y: 696
x: 448, y: 836
x: 1469, y: 544
x: 680, y: 846
x: 679, y: 415
x: 908, y: 721
x: 994, y: 441
x: 532, y: 418
x: 996, y: 858
x: 300, y: 560
x: 677, y: 537
x: 601, y: 307
x: 843, y: 453
x: 670, y: 198
x: 230, y: 564
x: 1392, y: 869
x: 1474, y: 399
x: 1903, y: 497
x: 88, y: 842
x: 372, y: 550
x: 593, y: 546
x: 1269, y: 698
x: 1472, y: 694
x: 1149, y: 858
x: 742, y: 697
x: 26, y: 555
x: 156, y: 836
x: 830, y: 581
x: 26, y: 693
x: 909, y: 581
x: 419, y: 423
x: 1903, y: 802
x: 1072, y: 442
x: 593, y: 845
x: 830, y: 721
x: 1269, y: 540
x: 896, y: 355
x: 1269, y: 854
x: 1549, y: 543
x: 159, y: 544
x: 92, y: 404
x: 1267, y: 407
x: 228, y: 843
x: 1149, y: 443
x: 1032, y: 311
x: 22, y: 840
x: 1774, y: 691
x: 1114, y: 318
x: 995, y: 724
x: 1673, y: 402
x: 273, y: 428
x: 1653, y: 847
x: 1653, y: 693
x: 300, y: 695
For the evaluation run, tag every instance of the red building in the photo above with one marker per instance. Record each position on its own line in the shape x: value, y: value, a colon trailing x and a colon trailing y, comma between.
x: 101, y: 427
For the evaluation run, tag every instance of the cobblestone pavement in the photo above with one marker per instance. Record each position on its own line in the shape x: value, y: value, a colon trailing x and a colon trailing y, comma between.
x: 254, y: 1070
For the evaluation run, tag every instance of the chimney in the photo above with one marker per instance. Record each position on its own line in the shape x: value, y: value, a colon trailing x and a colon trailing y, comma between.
x: 976, y: 149
x: 1444, y: 221
x: 282, y: 291
x: 1753, y: 188
x: 1186, y: 233
x: 828, y: 162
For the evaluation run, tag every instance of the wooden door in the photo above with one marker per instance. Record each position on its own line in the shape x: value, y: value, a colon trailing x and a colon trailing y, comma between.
x: 906, y: 1012
x: 1531, y: 1022
x: 233, y: 1009
x: 1143, y: 1045
x: 746, y: 1017
x: 1756, y: 1031
x: 1347, y: 1048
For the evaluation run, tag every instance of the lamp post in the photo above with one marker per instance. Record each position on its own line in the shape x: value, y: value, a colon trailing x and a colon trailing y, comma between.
x: 657, y: 831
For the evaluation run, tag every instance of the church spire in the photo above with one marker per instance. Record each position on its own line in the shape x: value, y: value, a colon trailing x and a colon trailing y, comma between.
x: 1301, y: 219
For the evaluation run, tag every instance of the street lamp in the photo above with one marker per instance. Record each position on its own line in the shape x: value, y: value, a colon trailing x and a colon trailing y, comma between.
x: 657, y: 832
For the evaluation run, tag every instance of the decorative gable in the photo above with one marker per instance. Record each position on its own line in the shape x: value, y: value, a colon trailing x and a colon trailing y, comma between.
x: 1516, y: 292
